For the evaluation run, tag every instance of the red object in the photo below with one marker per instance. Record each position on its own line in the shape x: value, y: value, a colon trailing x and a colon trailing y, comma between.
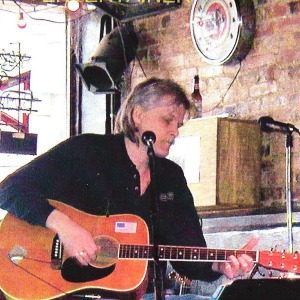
x: 21, y: 22
x: 6, y: 118
x: 14, y: 123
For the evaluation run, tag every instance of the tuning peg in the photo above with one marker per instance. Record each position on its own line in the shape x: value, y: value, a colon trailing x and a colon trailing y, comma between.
x: 296, y: 254
x: 295, y: 268
x: 270, y: 264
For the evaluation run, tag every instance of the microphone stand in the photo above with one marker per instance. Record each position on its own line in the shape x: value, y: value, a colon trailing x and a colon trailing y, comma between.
x: 158, y: 276
x: 289, y: 145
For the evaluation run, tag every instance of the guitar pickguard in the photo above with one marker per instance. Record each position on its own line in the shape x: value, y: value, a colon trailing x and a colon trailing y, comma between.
x: 72, y: 271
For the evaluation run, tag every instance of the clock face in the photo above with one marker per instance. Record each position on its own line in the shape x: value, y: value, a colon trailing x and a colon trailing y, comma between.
x: 216, y: 29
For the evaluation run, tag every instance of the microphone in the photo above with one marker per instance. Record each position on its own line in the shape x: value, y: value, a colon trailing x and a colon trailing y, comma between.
x: 267, y: 124
x: 148, y: 138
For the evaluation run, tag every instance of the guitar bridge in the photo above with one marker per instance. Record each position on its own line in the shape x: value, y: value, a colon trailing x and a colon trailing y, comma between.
x: 56, y: 253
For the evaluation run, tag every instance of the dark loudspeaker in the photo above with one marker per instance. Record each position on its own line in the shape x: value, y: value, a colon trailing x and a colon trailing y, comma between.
x: 18, y: 143
x: 113, y: 54
x: 262, y: 289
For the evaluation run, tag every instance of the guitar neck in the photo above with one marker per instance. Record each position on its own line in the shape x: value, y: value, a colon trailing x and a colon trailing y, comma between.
x: 181, y: 253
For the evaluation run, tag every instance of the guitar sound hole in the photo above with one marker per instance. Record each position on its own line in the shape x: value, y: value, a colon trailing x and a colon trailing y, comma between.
x: 100, y: 267
x: 108, y: 254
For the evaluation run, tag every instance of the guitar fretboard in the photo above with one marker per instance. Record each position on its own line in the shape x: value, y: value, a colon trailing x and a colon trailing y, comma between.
x: 180, y: 253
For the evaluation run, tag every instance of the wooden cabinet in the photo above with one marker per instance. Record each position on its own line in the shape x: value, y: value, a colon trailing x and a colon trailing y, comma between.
x: 227, y: 158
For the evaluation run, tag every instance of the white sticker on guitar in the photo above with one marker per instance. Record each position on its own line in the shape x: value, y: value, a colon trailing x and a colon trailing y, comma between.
x: 126, y: 227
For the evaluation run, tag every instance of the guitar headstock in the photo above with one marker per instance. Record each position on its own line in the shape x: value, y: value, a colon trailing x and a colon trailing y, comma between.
x: 183, y: 282
x: 179, y: 279
x: 282, y: 261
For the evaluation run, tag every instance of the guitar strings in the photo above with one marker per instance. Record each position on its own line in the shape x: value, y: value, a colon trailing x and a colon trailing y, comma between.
x: 180, y: 252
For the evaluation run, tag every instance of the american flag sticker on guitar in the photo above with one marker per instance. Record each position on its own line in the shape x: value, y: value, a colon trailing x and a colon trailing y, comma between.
x: 126, y: 227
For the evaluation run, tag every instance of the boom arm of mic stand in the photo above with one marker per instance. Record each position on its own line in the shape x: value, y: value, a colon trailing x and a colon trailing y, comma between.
x: 158, y: 276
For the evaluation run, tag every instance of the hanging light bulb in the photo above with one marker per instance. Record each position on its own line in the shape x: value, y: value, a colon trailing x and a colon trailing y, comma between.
x: 21, y: 22
x: 73, y: 5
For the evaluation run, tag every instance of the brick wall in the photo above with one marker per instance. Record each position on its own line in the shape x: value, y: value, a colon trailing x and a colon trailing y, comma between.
x: 268, y: 82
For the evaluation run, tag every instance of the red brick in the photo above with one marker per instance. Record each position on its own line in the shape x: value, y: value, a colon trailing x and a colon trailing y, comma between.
x: 278, y: 10
x: 266, y: 29
x: 289, y: 24
x: 290, y: 55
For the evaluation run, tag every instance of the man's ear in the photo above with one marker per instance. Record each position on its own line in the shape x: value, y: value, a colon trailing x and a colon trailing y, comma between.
x: 137, y: 115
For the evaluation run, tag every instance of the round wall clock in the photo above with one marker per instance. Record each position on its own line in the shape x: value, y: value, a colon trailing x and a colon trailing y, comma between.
x: 222, y: 30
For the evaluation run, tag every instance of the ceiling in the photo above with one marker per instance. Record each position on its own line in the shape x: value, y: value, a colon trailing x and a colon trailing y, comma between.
x: 126, y: 10
x: 122, y: 10
x: 29, y: 6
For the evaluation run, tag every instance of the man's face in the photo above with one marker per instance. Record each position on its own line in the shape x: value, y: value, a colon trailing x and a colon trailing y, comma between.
x: 164, y: 120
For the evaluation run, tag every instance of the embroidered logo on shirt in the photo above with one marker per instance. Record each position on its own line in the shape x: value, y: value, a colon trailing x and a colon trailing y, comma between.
x: 166, y: 196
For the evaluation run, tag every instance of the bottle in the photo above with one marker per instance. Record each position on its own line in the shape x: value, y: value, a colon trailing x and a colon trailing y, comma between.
x: 197, y: 98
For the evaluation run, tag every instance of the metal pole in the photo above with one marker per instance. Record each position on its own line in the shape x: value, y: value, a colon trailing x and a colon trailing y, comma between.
x: 289, y: 144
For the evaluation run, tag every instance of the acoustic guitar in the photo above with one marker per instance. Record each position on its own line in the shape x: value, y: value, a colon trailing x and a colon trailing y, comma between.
x: 33, y: 266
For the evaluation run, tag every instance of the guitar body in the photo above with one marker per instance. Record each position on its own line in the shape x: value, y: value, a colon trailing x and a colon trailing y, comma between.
x: 32, y: 276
